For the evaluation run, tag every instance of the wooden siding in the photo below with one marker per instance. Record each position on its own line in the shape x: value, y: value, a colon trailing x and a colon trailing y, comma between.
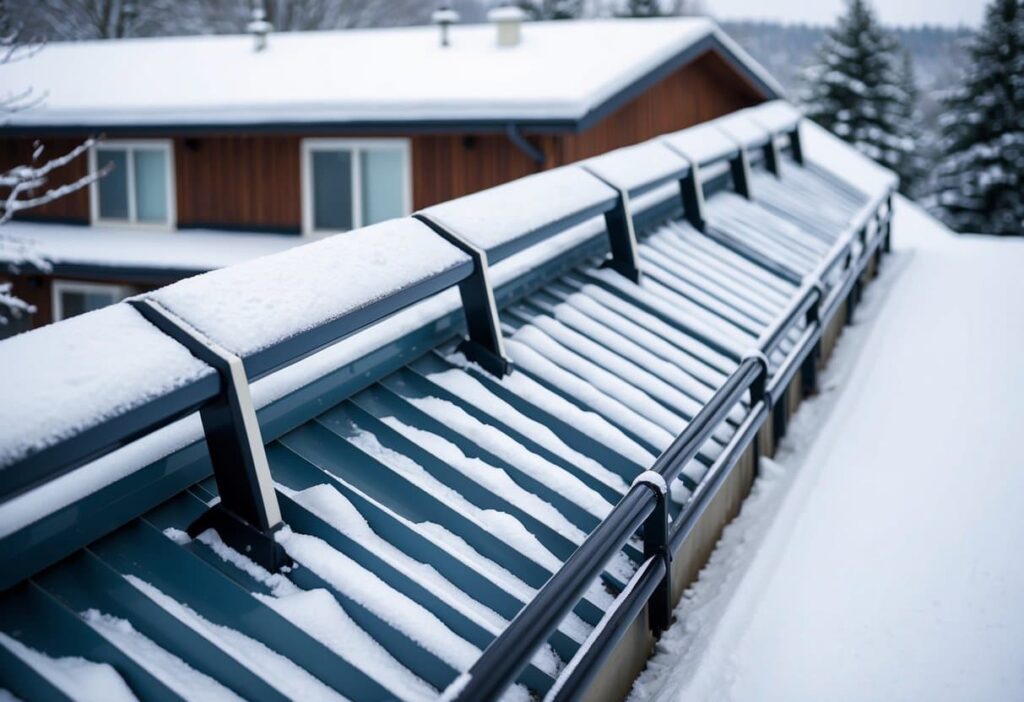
x: 240, y: 182
x: 253, y: 182
x: 702, y: 90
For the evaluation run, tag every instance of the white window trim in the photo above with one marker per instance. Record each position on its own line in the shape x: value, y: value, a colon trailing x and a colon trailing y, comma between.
x: 308, y: 146
x: 165, y: 145
x: 77, y: 286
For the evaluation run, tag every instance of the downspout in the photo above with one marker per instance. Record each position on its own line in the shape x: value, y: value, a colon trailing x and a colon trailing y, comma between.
x: 521, y: 143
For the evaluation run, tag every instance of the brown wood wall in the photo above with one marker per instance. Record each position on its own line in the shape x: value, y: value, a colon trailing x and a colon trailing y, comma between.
x: 238, y: 181
x: 254, y: 181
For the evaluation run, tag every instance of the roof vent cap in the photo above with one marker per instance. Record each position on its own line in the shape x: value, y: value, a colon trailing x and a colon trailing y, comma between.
x: 509, y: 20
x: 259, y: 27
x: 444, y: 17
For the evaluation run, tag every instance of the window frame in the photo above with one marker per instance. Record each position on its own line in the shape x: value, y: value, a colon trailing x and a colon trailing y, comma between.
x: 129, y: 146
x: 60, y: 286
x: 356, y: 146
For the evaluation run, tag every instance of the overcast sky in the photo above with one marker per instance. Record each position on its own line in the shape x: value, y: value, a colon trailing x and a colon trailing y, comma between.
x: 901, y: 12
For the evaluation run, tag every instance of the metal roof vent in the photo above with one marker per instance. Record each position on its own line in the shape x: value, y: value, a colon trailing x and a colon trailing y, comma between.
x: 444, y: 16
x: 509, y: 20
x: 259, y: 27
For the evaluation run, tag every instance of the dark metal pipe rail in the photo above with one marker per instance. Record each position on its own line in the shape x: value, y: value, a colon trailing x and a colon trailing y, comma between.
x: 506, y: 657
x: 799, y: 306
x: 584, y: 666
x: 509, y: 653
x: 749, y: 376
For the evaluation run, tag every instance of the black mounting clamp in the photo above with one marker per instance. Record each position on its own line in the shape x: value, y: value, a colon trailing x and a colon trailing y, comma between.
x: 655, y: 533
x: 621, y: 232
x: 485, y: 345
x: 248, y: 513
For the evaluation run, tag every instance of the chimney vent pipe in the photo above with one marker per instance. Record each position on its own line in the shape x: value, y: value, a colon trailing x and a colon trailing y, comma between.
x: 509, y: 21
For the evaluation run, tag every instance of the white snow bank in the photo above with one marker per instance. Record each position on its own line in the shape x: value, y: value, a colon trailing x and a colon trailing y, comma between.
x: 310, y: 285
x: 62, y: 379
x: 500, y: 215
x: 702, y: 143
x: 635, y: 167
x: 166, y: 667
x: 188, y: 250
x: 776, y: 116
x: 77, y: 678
x: 823, y: 148
x: 824, y: 589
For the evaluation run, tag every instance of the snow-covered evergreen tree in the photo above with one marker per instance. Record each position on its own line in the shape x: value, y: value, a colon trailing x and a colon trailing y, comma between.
x: 856, y: 89
x: 552, y: 9
x: 979, y: 182
x: 643, y: 8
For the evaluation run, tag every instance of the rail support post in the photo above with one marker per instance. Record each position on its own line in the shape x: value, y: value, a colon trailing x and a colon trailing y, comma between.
x: 248, y: 513
x: 693, y: 198
x: 739, y: 167
x: 796, y: 145
x: 659, y: 606
x: 621, y: 233
x: 772, y: 158
x: 809, y: 369
x: 887, y: 241
x: 485, y: 345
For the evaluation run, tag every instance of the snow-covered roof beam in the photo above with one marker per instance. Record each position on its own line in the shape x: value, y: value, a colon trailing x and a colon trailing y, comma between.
x: 639, y: 169
x: 508, y: 218
x: 103, y: 379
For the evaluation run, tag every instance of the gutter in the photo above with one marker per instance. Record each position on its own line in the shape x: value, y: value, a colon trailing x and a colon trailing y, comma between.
x: 523, y: 144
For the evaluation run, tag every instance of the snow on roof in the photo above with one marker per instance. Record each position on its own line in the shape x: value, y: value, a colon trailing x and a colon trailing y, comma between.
x: 776, y: 116
x: 561, y: 70
x: 87, y: 369
x: 188, y: 250
x: 636, y: 167
x: 308, y: 286
x: 828, y: 151
x: 742, y: 127
x: 497, y: 217
x: 702, y: 143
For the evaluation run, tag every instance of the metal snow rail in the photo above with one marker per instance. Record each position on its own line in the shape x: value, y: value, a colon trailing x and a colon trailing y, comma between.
x: 645, y: 505
x: 120, y: 430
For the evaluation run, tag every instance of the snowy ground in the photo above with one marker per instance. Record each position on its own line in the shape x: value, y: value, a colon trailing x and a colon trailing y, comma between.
x: 880, y: 554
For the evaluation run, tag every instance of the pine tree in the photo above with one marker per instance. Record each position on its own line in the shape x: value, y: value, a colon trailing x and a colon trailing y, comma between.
x: 856, y: 90
x: 979, y: 182
x: 643, y: 8
x: 552, y: 9
x: 911, y: 160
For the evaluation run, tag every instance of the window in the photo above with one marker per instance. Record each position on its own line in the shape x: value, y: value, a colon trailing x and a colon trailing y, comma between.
x: 350, y: 183
x: 71, y: 298
x: 139, y: 189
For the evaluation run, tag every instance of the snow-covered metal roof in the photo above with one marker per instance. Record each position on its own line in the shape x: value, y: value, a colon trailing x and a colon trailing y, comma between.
x: 561, y: 72
x: 429, y: 504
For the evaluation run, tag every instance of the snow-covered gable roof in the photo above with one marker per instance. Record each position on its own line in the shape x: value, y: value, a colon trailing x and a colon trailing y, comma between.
x: 562, y: 71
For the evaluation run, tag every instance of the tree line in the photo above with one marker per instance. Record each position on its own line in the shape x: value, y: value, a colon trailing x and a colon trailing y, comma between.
x: 971, y: 173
